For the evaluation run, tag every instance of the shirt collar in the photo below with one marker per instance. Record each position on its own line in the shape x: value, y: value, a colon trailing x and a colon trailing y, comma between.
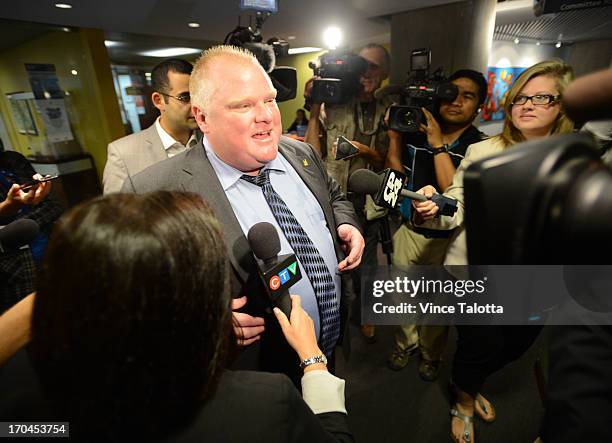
x: 168, y: 141
x: 228, y: 175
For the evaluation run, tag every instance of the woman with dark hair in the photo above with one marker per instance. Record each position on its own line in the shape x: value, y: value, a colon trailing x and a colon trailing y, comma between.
x: 533, y: 110
x: 132, y: 345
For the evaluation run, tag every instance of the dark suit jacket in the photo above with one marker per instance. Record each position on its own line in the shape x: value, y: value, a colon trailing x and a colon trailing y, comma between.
x: 191, y: 171
x: 255, y: 406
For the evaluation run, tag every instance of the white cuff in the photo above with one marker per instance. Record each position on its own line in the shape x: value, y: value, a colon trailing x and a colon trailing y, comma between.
x: 323, y: 392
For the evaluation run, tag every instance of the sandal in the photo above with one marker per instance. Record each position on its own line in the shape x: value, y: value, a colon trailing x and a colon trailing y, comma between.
x: 468, y: 425
x: 482, y: 402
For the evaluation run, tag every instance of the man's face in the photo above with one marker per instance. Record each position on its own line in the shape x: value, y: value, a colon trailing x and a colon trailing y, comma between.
x: 376, y: 72
x: 462, y: 110
x: 242, y: 123
x: 176, y: 114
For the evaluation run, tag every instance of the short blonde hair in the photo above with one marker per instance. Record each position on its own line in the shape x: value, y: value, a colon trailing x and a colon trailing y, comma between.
x: 563, y: 75
x: 202, y: 84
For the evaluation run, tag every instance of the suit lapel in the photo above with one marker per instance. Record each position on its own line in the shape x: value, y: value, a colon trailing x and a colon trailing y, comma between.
x: 154, y: 149
x: 198, y: 176
x: 309, y: 172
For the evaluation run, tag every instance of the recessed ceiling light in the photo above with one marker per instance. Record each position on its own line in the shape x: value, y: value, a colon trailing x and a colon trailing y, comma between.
x: 63, y: 5
x: 193, y: 25
x: 111, y: 43
x: 74, y: 72
x: 538, y: 43
x: 170, y: 52
x: 516, y: 41
x: 303, y: 50
x: 558, y: 45
x: 65, y: 29
x: 291, y: 37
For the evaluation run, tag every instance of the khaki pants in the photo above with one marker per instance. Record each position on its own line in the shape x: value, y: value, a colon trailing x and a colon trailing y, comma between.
x: 412, y: 248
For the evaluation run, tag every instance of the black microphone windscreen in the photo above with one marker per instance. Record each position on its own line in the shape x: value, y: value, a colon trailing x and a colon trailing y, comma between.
x: 264, y: 55
x: 264, y: 241
x: 387, y: 90
x: 364, y: 181
x: 18, y: 233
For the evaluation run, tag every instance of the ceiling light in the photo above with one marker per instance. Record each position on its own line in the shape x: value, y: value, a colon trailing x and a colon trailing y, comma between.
x: 303, y: 50
x: 66, y: 29
x: 558, y: 45
x: 111, y: 43
x: 63, y: 5
x: 538, y: 43
x: 147, y: 74
x: 193, y: 25
x: 74, y: 72
x: 291, y: 37
x: 332, y: 37
x: 170, y: 52
x: 516, y: 41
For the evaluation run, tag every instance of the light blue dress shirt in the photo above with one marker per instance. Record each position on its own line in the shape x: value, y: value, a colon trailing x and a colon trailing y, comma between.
x: 250, y: 207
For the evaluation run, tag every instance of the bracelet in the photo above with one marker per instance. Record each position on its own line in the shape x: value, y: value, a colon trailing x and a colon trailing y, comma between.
x: 440, y: 150
x: 314, y: 360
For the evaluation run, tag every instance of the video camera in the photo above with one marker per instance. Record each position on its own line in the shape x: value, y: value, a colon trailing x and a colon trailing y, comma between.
x: 422, y: 89
x: 283, y: 78
x: 340, y: 72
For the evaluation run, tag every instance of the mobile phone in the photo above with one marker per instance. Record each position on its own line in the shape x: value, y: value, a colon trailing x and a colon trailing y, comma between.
x: 345, y: 149
x: 35, y: 182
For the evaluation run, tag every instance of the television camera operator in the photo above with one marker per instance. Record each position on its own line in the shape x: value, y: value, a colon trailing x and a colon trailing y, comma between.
x: 359, y: 118
x: 431, y: 154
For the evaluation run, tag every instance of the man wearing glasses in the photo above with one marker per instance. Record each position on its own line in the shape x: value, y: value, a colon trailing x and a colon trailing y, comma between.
x: 174, y: 130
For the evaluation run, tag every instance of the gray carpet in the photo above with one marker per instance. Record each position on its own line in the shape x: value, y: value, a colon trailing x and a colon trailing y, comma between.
x: 387, y: 406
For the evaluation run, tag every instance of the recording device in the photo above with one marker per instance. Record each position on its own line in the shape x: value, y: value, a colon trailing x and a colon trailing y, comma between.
x: 345, y: 149
x: 386, y: 188
x: 340, y: 72
x: 17, y: 234
x: 35, y: 182
x: 278, y: 273
x: 421, y: 90
x: 283, y: 78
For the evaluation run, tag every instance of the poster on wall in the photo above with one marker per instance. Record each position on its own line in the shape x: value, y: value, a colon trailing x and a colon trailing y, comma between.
x: 21, y: 112
x: 44, y: 81
x: 55, y: 118
x: 499, y: 81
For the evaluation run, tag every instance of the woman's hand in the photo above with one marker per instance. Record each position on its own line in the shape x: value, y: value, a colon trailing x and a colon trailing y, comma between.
x: 299, y: 330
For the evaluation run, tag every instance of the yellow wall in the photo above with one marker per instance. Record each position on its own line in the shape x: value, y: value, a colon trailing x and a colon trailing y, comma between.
x: 92, y: 103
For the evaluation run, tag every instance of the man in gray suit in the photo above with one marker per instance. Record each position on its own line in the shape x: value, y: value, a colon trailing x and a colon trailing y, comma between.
x: 233, y: 101
x: 174, y: 130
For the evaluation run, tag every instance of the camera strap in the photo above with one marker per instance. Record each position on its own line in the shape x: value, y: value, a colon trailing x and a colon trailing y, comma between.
x: 361, y: 122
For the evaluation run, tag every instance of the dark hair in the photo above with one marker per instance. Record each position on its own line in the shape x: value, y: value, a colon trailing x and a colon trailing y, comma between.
x: 159, y: 74
x: 132, y: 319
x: 477, y: 78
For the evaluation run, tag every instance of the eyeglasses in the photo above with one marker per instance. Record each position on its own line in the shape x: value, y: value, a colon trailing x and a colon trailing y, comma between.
x: 540, y: 99
x: 183, y: 98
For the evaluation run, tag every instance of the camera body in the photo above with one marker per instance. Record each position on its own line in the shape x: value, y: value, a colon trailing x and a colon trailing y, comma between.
x: 421, y: 90
x: 340, y: 73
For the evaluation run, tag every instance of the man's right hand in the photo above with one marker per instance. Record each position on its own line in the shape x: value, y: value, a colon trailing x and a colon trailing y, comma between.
x: 428, y: 209
x: 308, y: 86
x: 248, y: 329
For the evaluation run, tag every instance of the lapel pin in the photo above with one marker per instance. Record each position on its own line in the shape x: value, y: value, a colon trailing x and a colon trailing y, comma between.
x: 305, y: 162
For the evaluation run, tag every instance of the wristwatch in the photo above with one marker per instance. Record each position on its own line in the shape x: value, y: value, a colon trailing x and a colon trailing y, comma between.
x: 436, y: 151
x: 313, y: 360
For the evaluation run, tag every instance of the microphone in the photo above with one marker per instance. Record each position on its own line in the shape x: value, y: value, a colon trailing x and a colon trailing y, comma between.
x: 345, y: 149
x: 278, y: 273
x: 387, y: 187
x: 17, y: 234
x: 387, y: 90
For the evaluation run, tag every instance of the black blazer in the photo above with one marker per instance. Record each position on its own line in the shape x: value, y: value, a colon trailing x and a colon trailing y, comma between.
x: 256, y: 406
x: 191, y: 171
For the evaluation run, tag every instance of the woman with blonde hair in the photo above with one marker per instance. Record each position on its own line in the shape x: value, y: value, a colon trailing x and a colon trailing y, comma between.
x: 533, y: 110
